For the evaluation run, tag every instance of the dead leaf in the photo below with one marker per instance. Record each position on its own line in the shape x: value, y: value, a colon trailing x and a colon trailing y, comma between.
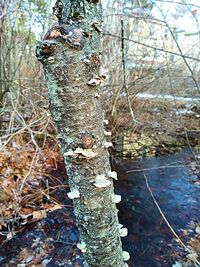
x: 52, y: 207
x: 39, y: 214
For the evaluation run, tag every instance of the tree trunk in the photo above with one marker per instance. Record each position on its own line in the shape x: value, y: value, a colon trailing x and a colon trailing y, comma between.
x: 70, y: 56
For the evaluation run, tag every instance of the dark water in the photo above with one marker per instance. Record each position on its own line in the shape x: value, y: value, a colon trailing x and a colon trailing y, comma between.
x: 150, y: 241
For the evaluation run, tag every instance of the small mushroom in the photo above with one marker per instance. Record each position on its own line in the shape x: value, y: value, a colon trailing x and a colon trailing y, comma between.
x: 82, y: 246
x: 112, y: 174
x: 107, y: 133
x: 74, y: 194
x: 108, y: 144
x: 94, y: 81
x: 116, y: 198
x: 101, y: 181
x: 97, y: 95
x: 51, y: 60
x: 123, y: 232
x: 125, y: 255
x: 105, y: 122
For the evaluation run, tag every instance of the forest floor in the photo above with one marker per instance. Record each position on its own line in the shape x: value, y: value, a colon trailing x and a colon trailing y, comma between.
x: 166, y: 184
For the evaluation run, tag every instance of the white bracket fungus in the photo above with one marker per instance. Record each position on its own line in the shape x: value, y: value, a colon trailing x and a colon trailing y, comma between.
x: 107, y: 133
x: 51, y: 60
x: 74, y: 194
x: 70, y: 153
x: 105, y: 122
x: 95, y: 81
x: 123, y: 232
x: 116, y: 198
x: 101, y: 181
x: 87, y: 153
x: 82, y: 247
x: 125, y: 255
x: 108, y: 144
x: 97, y: 95
x: 112, y: 175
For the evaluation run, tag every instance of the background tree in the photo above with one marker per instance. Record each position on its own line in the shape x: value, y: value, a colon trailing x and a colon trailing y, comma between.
x: 21, y: 23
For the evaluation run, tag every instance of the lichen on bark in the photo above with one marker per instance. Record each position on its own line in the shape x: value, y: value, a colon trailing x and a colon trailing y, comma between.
x: 70, y: 57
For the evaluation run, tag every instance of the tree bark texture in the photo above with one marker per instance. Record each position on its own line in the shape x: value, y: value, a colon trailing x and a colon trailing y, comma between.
x: 70, y: 57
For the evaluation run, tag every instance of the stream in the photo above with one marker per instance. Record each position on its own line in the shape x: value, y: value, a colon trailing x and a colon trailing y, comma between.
x: 150, y: 241
x: 168, y: 97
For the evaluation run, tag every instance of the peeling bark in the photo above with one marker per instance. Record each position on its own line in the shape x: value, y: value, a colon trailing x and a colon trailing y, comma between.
x: 70, y: 57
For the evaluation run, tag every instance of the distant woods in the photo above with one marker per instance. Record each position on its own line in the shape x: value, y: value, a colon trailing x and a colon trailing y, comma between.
x: 22, y: 92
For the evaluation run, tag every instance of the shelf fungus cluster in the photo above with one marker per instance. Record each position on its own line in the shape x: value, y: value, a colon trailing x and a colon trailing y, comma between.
x: 81, y: 152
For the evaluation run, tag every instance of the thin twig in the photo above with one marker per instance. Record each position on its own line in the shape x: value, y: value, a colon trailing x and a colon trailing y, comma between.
x: 162, y: 214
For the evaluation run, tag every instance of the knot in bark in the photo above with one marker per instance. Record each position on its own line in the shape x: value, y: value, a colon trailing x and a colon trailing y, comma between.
x: 44, y: 50
x: 67, y: 34
x: 87, y: 141
x: 72, y: 36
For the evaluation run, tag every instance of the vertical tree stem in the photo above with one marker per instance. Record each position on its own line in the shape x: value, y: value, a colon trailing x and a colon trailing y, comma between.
x: 70, y: 57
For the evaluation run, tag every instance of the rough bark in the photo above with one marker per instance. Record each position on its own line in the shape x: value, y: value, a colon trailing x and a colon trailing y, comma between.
x: 70, y: 56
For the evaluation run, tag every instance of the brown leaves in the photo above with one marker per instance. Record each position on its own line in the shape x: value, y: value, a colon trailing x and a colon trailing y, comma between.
x: 23, y: 188
x: 39, y: 214
x: 23, y: 217
x: 14, y: 165
x: 37, y: 254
